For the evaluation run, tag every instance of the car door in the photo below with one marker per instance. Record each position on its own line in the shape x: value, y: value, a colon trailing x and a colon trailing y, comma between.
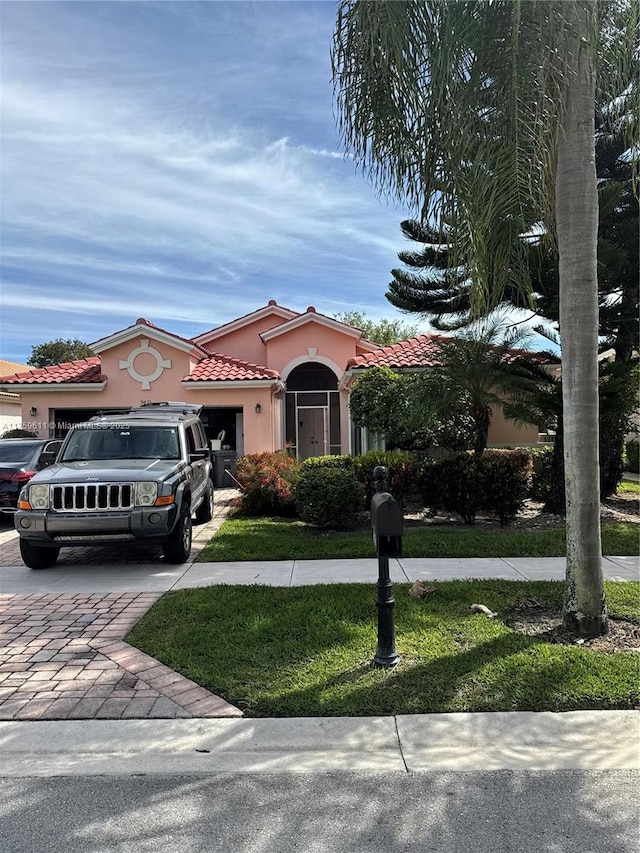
x: 199, y: 467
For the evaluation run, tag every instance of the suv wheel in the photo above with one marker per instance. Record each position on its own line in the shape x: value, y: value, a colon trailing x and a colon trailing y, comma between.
x: 204, y: 512
x: 178, y: 546
x: 38, y: 556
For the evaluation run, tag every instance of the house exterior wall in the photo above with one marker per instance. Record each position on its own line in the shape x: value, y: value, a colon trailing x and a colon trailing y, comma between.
x: 10, y: 414
x: 503, y: 431
x: 142, y: 367
x: 245, y: 343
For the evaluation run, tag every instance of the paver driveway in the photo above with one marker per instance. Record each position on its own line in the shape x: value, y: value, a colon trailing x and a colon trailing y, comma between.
x: 63, y: 656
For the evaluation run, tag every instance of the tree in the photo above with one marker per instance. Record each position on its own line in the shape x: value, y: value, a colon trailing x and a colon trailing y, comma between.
x: 382, y: 332
x: 58, y: 352
x: 427, y: 287
x: 399, y: 406
x: 480, y: 115
x: 485, y: 369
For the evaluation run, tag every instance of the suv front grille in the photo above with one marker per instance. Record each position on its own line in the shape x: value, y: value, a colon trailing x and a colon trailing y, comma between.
x: 92, y: 497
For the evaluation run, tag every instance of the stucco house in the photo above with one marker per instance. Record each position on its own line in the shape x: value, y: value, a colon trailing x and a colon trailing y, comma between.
x: 271, y: 379
x: 10, y: 405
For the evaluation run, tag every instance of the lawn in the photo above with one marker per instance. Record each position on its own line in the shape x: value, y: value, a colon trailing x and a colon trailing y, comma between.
x: 307, y: 651
x: 287, y: 539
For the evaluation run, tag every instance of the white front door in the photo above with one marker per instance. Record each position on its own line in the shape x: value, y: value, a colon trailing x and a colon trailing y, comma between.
x: 312, y: 432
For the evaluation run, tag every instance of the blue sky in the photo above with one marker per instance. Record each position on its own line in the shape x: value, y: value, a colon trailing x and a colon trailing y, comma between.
x: 180, y: 162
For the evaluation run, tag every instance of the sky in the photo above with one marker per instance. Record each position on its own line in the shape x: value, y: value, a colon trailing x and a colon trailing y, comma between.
x: 178, y: 161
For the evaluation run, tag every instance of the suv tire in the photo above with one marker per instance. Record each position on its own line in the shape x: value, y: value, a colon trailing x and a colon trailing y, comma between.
x: 178, y: 546
x: 37, y: 556
x: 204, y: 513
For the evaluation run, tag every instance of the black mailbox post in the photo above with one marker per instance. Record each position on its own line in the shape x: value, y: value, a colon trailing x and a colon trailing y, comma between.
x: 387, y: 526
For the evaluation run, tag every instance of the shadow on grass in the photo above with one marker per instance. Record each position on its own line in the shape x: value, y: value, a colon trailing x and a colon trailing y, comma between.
x: 308, y: 652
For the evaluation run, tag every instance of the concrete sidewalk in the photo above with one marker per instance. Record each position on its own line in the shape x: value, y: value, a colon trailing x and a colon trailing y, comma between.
x: 159, y: 577
x: 576, y: 740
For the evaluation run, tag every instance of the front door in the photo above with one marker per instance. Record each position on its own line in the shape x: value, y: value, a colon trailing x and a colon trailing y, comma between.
x: 312, y: 432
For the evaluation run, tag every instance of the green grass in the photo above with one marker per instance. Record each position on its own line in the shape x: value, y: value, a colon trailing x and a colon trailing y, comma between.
x: 629, y: 487
x: 307, y: 651
x: 286, y: 539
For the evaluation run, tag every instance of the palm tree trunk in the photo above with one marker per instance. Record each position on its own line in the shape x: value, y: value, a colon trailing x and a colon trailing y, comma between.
x: 577, y: 228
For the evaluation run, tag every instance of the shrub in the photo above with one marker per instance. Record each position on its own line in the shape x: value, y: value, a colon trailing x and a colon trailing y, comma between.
x: 267, y: 480
x: 505, y: 476
x: 18, y: 433
x: 632, y: 449
x: 541, y: 473
x: 328, y: 497
x: 402, y: 474
x: 344, y: 461
x: 453, y: 485
x: 496, y: 482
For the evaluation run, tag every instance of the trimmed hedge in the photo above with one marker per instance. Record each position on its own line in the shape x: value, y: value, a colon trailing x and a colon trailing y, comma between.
x: 632, y: 449
x: 541, y: 473
x: 267, y: 480
x: 328, y: 496
x: 401, y: 465
x: 496, y: 482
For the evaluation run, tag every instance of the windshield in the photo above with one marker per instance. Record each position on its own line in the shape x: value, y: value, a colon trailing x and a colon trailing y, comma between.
x: 118, y: 442
x: 18, y: 453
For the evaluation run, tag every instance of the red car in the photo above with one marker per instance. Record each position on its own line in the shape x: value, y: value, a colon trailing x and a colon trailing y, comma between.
x: 20, y: 458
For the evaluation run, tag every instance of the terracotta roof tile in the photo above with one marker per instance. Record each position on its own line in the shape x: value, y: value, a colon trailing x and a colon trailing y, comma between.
x: 223, y: 368
x: 416, y: 352
x: 85, y: 370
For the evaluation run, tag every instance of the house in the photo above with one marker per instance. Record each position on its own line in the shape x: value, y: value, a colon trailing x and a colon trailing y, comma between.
x: 10, y: 405
x: 271, y: 379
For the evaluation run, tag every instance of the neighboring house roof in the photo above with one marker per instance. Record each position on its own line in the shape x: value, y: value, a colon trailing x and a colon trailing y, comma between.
x: 223, y: 368
x: 84, y: 371
x: 421, y: 351
x: 7, y: 368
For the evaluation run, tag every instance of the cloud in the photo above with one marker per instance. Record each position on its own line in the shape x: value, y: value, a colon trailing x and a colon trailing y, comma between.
x: 156, y: 154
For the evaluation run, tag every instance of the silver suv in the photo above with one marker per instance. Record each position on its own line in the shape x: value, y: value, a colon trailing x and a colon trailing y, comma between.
x: 138, y: 475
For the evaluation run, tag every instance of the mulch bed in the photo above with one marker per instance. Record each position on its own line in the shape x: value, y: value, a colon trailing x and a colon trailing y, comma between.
x: 545, y: 623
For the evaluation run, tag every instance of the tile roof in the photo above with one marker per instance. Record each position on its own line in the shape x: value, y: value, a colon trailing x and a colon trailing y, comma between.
x: 85, y: 370
x: 421, y: 351
x: 223, y: 368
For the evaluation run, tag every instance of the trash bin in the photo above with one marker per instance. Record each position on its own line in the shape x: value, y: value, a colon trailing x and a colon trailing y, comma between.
x: 223, y: 461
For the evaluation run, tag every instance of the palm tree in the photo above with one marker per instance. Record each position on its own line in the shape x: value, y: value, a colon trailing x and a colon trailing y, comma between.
x: 480, y: 115
x: 486, y: 368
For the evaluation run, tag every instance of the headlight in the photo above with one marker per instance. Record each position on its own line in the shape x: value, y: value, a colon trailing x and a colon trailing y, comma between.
x: 146, y: 494
x: 39, y: 496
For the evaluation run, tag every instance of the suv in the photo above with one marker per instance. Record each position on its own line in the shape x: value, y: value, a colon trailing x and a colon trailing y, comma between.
x: 121, y: 477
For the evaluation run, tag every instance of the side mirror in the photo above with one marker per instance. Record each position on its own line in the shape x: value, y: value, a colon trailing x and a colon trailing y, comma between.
x: 200, y: 453
x: 48, y: 458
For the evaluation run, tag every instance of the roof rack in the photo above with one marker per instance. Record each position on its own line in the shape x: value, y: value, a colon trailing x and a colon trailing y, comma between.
x: 169, y: 406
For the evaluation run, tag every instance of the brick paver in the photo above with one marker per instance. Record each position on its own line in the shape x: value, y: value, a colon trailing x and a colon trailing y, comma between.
x: 63, y: 656
x: 88, y: 675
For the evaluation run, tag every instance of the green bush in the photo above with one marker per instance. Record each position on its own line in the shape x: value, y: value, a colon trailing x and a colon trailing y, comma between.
x: 496, y: 483
x: 541, y: 473
x: 402, y: 473
x: 343, y: 461
x: 267, y: 480
x: 328, y: 497
x: 506, y: 477
x: 632, y: 449
x: 18, y: 433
